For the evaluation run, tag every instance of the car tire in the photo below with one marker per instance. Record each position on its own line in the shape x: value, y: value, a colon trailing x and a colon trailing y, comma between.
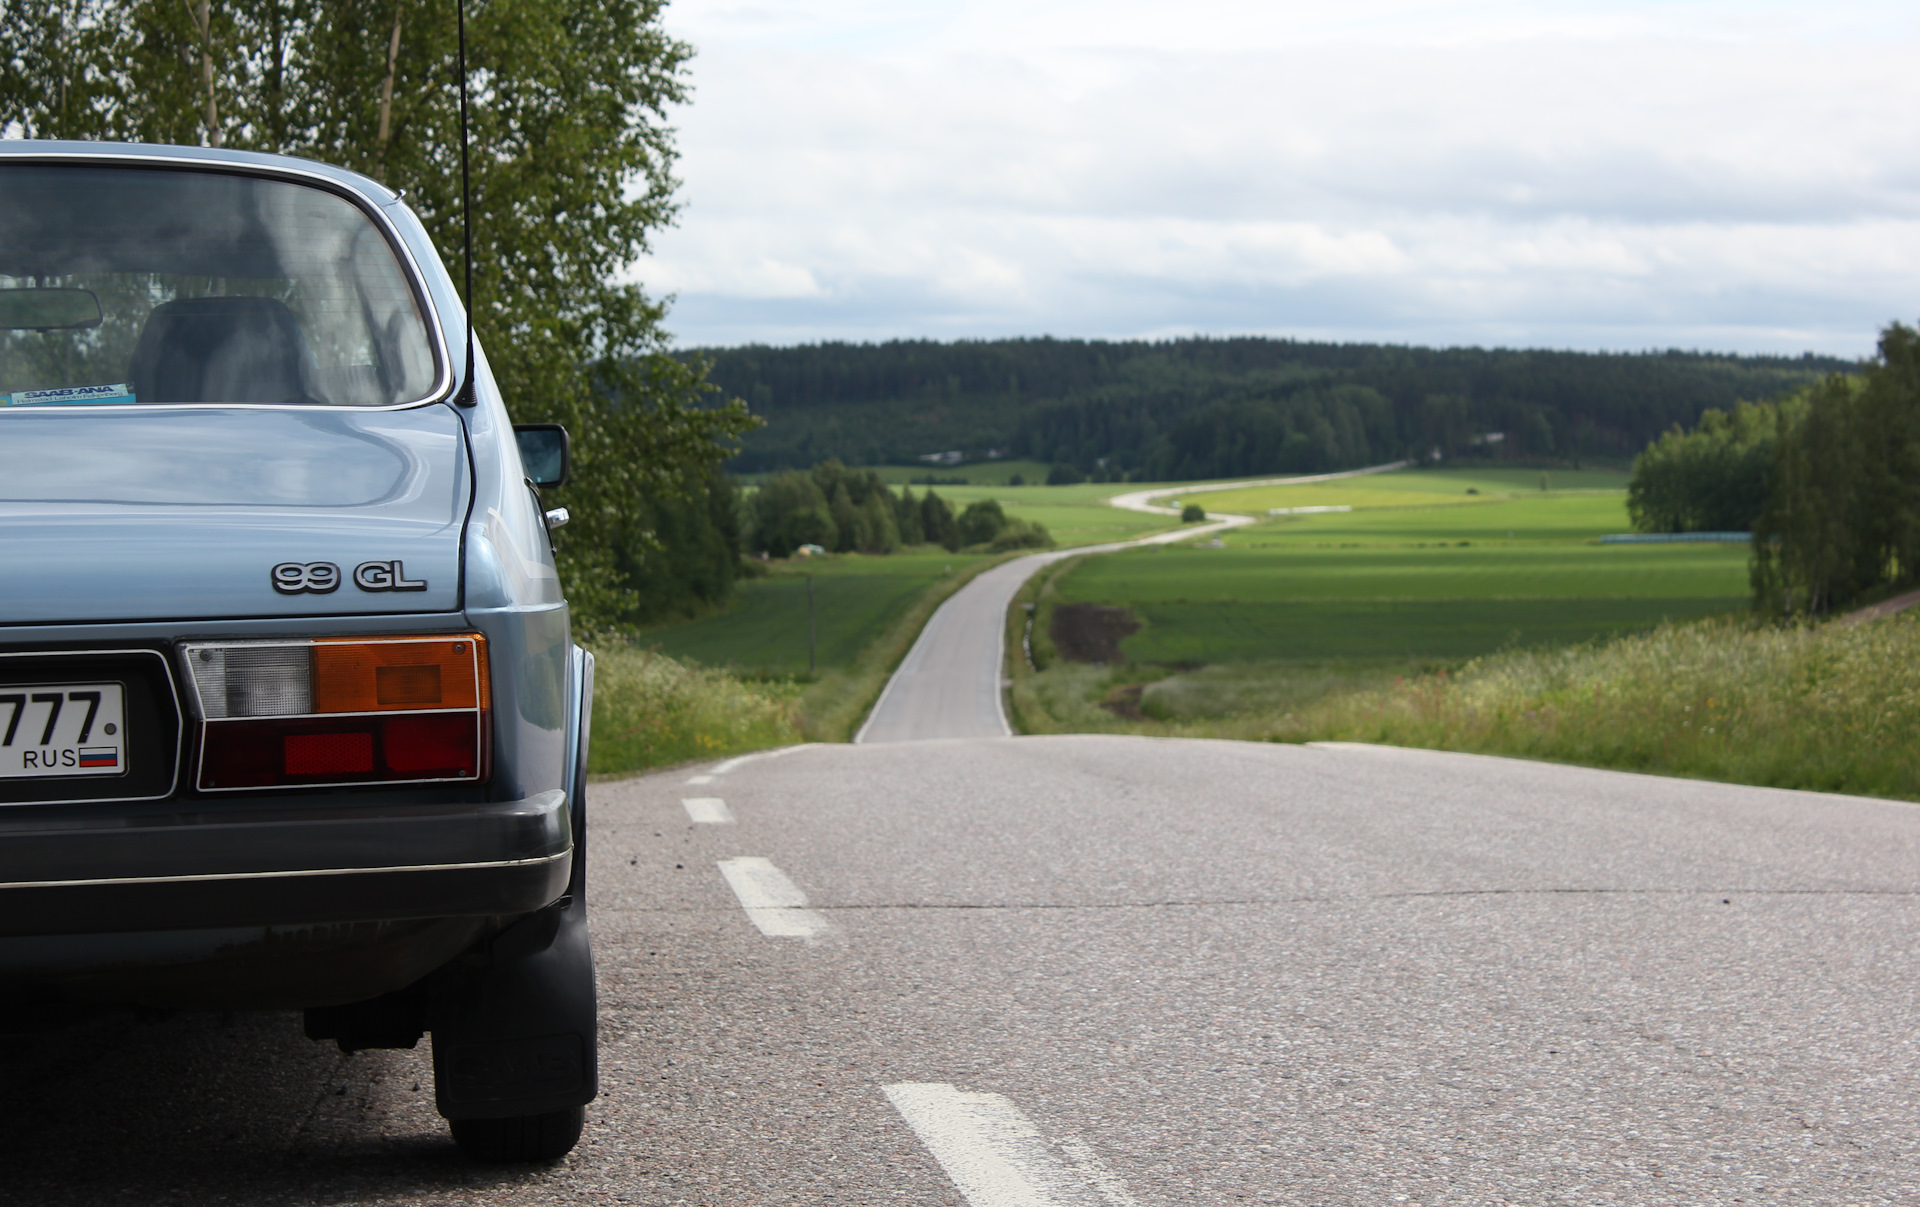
x: 518, y: 1138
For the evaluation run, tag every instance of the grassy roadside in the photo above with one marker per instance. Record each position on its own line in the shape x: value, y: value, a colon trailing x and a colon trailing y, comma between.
x: 1029, y: 647
x: 1828, y: 708
x: 650, y: 710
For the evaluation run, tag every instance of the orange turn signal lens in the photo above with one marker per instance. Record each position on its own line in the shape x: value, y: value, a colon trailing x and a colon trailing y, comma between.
x: 399, y: 673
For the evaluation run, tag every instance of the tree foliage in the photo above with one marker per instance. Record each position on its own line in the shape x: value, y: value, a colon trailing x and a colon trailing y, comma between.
x: 1842, y: 517
x: 854, y: 511
x: 571, y: 171
x: 839, y: 509
x: 1712, y: 479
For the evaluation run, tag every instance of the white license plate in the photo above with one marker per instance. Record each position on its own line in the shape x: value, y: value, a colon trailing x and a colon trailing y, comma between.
x: 62, y: 729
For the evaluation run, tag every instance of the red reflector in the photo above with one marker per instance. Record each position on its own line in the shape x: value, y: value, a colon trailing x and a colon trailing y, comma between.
x: 329, y: 753
x: 440, y: 744
x: 388, y: 748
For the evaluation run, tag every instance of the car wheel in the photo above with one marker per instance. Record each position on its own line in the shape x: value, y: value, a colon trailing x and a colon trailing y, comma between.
x: 545, y: 1137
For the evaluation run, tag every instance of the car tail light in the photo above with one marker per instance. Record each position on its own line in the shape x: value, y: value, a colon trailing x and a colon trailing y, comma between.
x: 335, y: 711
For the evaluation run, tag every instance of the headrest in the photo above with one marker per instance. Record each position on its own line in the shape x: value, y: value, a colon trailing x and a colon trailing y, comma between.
x: 235, y: 349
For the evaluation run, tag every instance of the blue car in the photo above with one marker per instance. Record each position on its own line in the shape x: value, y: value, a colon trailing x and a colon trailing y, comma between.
x: 290, y: 712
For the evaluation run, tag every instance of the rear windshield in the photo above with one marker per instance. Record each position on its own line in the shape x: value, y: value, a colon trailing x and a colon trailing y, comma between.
x: 136, y: 285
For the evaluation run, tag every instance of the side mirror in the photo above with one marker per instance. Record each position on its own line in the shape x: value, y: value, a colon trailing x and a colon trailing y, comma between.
x: 545, y: 451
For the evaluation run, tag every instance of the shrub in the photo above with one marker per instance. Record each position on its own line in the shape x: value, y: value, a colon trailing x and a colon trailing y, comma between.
x: 1021, y: 534
x: 981, y: 522
x: 1192, y: 513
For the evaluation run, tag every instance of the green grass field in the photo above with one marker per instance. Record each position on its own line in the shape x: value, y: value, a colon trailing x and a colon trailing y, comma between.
x: 1412, y: 488
x: 1529, y: 520
x: 765, y: 632
x: 1419, y: 569
x: 1074, y: 515
x: 1448, y: 630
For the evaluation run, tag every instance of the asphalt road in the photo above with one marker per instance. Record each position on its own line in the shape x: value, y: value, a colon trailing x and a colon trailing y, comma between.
x: 1106, y: 970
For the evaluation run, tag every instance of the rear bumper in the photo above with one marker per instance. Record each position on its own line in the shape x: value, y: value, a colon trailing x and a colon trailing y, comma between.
x: 281, y: 865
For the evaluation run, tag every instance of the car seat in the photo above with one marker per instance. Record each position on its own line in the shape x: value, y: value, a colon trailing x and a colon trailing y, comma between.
x: 223, y: 349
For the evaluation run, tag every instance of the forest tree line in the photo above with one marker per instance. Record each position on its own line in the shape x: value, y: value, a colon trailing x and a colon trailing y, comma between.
x: 845, y: 510
x: 1827, y: 480
x: 1202, y: 408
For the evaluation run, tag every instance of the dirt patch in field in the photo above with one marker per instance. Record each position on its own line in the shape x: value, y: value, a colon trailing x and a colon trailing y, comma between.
x: 1091, y: 632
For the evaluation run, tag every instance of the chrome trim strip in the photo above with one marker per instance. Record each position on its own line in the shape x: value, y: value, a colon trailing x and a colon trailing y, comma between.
x: 443, y: 385
x: 396, y: 711
x: 179, y: 713
x: 287, y: 875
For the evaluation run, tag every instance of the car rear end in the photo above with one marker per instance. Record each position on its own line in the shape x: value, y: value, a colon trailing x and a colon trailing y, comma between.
x: 289, y: 712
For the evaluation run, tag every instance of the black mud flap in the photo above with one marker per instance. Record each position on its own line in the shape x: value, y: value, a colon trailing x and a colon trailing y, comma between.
x: 519, y: 1036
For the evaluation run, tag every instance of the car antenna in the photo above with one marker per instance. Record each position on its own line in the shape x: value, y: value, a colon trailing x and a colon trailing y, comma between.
x: 466, y: 397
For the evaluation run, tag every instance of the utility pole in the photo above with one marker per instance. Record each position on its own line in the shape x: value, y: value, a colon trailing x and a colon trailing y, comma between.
x: 809, y: 624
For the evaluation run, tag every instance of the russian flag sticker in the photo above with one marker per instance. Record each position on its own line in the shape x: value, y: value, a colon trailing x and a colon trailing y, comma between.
x: 99, y: 756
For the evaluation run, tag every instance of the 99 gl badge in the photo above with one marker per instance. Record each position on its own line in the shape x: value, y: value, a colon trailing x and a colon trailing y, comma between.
x: 322, y: 578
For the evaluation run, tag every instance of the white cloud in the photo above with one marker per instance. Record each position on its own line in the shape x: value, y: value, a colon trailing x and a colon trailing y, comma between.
x: 1623, y: 175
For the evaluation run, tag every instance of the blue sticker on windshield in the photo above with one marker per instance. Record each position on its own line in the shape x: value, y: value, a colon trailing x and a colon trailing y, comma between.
x: 71, y: 396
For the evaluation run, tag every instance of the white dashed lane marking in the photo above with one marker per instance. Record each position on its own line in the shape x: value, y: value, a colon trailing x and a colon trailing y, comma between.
x: 707, y: 810
x: 700, y: 779
x: 997, y: 1157
x: 773, y: 903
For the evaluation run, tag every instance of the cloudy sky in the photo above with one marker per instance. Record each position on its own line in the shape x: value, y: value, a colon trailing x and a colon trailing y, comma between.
x: 1589, y: 174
